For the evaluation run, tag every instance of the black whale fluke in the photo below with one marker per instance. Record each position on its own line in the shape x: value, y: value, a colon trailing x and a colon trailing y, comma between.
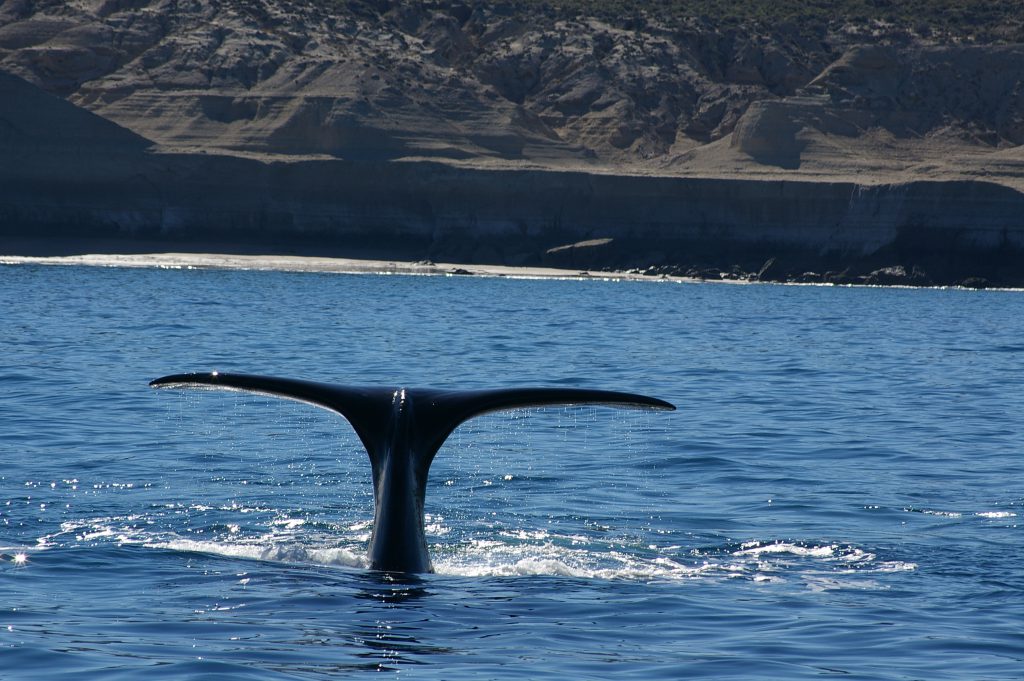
x: 402, y: 429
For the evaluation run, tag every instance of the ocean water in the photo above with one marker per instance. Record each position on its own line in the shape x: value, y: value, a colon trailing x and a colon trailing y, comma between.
x: 839, y: 493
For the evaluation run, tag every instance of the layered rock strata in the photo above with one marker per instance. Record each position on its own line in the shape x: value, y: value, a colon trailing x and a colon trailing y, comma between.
x: 463, y: 132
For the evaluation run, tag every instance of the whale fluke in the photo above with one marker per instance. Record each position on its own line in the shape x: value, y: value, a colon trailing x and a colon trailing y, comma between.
x: 402, y: 429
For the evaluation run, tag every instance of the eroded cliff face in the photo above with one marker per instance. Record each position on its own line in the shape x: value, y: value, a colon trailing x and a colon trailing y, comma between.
x: 490, y: 82
x: 419, y: 79
x: 482, y: 131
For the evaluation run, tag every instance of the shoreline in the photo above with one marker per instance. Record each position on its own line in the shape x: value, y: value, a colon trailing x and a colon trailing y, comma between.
x: 327, y: 265
x: 337, y: 265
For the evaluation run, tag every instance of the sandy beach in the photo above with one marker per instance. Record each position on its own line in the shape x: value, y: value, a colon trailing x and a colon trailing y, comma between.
x: 296, y: 263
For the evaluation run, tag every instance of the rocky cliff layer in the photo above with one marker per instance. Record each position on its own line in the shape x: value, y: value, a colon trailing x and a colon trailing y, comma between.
x: 779, y: 229
x: 515, y: 133
x: 513, y: 83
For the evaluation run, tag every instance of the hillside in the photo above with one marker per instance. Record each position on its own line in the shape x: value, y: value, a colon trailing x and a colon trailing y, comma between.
x: 858, y: 93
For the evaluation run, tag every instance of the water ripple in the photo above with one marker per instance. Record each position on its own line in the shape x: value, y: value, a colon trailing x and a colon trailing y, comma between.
x: 837, y: 494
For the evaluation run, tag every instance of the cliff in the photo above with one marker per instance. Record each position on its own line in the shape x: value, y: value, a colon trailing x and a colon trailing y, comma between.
x: 518, y: 134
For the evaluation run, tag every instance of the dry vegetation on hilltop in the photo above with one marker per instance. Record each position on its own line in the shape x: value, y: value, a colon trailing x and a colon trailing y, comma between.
x: 677, y: 86
x: 981, y: 21
x: 769, y: 139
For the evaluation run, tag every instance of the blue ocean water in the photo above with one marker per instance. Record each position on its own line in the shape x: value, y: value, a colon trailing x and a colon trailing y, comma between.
x: 839, y: 493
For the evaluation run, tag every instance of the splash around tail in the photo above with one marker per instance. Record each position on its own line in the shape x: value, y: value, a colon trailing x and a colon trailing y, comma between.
x: 402, y: 429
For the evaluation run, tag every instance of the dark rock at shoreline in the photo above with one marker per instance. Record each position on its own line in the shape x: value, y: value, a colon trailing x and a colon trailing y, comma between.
x: 897, y: 275
x: 975, y: 283
x: 843, y: 278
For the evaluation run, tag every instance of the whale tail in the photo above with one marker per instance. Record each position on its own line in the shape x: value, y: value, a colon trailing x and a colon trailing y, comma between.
x: 402, y: 429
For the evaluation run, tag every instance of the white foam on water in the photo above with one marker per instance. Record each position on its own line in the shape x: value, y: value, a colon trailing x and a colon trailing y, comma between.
x: 123, y: 529
x: 433, y: 525
x: 505, y: 553
x: 819, y: 584
x: 97, y: 534
x: 248, y: 551
x: 525, y: 553
x: 288, y: 523
x: 820, y: 568
x: 944, y: 514
x: 895, y: 566
x: 757, y: 549
x: 537, y: 535
x: 496, y: 559
x: 359, y: 531
x: 278, y: 553
x: 996, y: 514
x: 992, y: 515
